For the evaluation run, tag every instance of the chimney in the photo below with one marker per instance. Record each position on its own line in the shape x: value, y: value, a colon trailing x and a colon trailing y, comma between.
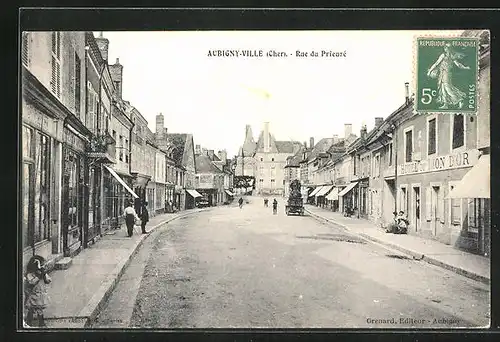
x: 211, y: 154
x: 160, y: 126
x: 116, y: 71
x: 197, y: 149
x: 407, y: 92
x: 305, y: 144
x: 347, y: 130
x: 362, y: 131
x: 335, y: 138
x: 103, y: 44
x: 378, y: 122
x: 266, y: 136
x: 222, y: 155
x: 311, y: 142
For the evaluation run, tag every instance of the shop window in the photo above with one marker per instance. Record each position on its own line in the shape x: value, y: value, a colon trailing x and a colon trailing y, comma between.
x: 458, y: 131
x: 408, y: 146
x: 27, y: 204
x: 42, y: 189
x: 73, y: 166
x: 431, y: 136
x: 475, y: 214
x: 27, y: 142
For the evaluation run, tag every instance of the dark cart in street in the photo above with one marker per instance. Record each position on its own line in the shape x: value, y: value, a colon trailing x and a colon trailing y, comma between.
x: 295, y: 203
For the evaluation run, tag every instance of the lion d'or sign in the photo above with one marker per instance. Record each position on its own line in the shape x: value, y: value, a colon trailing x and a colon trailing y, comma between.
x: 446, y: 162
x: 446, y: 75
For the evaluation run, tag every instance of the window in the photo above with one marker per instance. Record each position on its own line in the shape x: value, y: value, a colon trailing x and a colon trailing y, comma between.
x: 455, y: 209
x: 25, y: 48
x: 272, y: 159
x: 390, y: 154
x: 121, y: 149
x: 403, y: 200
x: 376, y: 170
x: 261, y: 159
x: 431, y: 136
x: 458, y: 138
x: 42, y: 188
x: 408, y: 145
x: 55, y: 81
x: 77, y: 84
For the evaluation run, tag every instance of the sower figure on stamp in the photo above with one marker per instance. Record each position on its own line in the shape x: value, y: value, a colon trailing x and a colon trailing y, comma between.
x: 144, y: 217
x: 130, y: 218
x: 35, y: 291
x: 448, y: 94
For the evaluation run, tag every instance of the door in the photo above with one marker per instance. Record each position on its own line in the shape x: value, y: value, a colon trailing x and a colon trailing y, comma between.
x: 416, y: 208
x: 435, y: 209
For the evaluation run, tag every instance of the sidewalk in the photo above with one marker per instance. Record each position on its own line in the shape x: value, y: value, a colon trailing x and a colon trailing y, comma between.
x: 470, y: 265
x: 78, y: 293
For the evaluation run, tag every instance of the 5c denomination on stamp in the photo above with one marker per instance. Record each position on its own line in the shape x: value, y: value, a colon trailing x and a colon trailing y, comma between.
x: 446, y: 75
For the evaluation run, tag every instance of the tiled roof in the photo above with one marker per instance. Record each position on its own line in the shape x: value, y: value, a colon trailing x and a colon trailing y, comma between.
x: 322, y: 146
x: 205, y: 165
x: 287, y: 146
x: 296, y: 158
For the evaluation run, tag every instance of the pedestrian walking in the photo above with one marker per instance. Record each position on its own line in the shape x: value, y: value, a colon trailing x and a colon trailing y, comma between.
x: 130, y: 218
x: 240, y: 202
x: 144, y: 216
x: 275, y: 207
x: 35, y: 291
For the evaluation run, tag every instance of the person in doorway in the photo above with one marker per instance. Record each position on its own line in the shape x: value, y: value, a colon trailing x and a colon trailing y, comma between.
x: 35, y: 291
x: 240, y: 202
x: 275, y: 207
x: 402, y: 223
x: 144, y: 217
x: 130, y: 218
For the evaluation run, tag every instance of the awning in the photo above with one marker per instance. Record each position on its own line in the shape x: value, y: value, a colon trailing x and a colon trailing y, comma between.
x: 193, y: 193
x: 324, y: 190
x: 333, y: 195
x: 101, y: 155
x: 315, y: 191
x: 348, y: 188
x: 229, y: 193
x: 476, y: 182
x: 120, y: 180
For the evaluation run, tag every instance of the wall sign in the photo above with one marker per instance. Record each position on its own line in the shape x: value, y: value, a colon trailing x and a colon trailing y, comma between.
x: 446, y: 162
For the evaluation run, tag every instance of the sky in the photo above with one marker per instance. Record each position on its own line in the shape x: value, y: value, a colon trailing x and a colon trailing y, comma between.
x: 215, y: 97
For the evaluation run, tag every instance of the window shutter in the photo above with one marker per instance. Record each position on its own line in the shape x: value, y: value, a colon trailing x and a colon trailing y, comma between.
x: 58, y: 79
x: 72, y: 80
x: 25, y: 49
x: 428, y: 204
x: 53, y: 79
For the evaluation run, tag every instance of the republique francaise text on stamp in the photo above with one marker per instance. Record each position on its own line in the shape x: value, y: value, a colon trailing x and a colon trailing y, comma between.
x: 446, y: 75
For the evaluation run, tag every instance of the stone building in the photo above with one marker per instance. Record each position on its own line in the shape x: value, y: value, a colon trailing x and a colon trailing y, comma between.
x: 265, y: 160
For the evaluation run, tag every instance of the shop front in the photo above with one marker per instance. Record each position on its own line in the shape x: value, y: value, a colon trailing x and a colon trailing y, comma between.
x: 74, y: 188
x: 349, y: 196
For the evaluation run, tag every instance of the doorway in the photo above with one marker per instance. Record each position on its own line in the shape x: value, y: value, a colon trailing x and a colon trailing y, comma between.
x: 416, y: 207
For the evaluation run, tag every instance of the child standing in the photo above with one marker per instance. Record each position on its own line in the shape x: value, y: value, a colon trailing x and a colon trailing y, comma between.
x: 35, y: 291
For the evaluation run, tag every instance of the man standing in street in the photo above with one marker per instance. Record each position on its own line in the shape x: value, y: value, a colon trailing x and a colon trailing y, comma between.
x: 144, y: 216
x: 130, y: 218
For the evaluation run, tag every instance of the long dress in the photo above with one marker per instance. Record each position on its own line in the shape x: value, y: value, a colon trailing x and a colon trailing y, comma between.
x: 448, y: 94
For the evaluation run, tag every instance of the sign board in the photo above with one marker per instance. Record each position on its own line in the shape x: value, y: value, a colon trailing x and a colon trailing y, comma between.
x: 440, y: 163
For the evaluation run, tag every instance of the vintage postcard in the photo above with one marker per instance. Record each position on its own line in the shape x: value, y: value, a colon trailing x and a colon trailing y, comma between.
x: 255, y: 179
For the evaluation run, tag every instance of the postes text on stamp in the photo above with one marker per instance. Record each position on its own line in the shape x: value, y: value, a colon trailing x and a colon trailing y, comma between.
x: 446, y: 75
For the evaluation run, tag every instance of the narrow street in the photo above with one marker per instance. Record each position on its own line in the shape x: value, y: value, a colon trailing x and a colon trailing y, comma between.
x: 238, y: 268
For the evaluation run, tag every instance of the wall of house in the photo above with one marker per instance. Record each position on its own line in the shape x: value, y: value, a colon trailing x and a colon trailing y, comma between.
x: 269, y: 167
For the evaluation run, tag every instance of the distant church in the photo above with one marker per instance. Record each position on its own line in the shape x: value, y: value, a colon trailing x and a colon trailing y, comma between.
x: 265, y: 160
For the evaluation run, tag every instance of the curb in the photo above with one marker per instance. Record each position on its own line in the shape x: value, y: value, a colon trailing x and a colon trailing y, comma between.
x: 415, y: 255
x: 89, y: 313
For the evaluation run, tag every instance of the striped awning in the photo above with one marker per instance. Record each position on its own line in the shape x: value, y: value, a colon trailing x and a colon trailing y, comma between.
x: 348, y: 188
x: 315, y: 191
x: 476, y: 182
x: 333, y: 195
x: 193, y: 193
x: 324, y: 190
x: 229, y: 192
x: 121, y: 181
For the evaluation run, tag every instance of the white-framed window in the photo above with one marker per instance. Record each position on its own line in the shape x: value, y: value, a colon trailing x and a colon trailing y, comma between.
x: 432, y: 135
x: 457, y: 133
x: 455, y: 206
x: 403, y: 198
x: 25, y: 49
x: 408, y: 143
x: 55, y: 81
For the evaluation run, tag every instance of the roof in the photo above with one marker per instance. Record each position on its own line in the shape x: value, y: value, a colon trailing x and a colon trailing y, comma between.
x: 322, y: 146
x: 288, y: 146
x: 293, y: 161
x: 205, y: 165
x: 178, y: 140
